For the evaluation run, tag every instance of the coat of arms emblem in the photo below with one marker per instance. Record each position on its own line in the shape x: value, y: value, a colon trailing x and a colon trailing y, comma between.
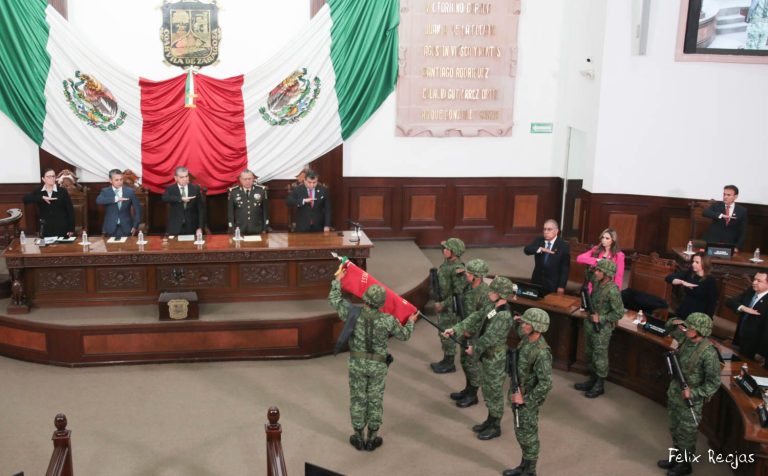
x: 190, y: 33
x: 292, y: 99
x: 178, y: 309
x: 92, y: 102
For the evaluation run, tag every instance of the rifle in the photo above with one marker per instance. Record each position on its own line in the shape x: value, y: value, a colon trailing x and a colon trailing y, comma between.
x: 434, y: 284
x: 514, y: 381
x: 673, y: 365
x: 586, y: 303
x: 458, y: 307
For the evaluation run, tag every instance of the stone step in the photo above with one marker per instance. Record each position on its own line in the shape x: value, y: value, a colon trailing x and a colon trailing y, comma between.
x: 731, y: 28
x: 729, y: 19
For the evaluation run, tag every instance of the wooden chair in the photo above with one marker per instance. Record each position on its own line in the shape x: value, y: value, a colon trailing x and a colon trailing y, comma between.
x: 725, y: 319
x: 647, y: 275
x: 699, y: 223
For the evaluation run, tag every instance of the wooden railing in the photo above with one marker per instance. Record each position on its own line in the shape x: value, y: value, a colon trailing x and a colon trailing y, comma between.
x: 61, y: 459
x: 275, y: 458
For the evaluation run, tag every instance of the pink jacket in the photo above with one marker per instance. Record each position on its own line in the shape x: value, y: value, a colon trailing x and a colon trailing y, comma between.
x: 618, y: 258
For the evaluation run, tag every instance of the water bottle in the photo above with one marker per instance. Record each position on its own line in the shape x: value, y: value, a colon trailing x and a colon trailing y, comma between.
x: 237, y: 234
x: 755, y: 257
x: 140, y: 237
x: 22, y: 238
x: 84, y: 239
x: 689, y: 248
x: 199, y: 236
x: 641, y: 317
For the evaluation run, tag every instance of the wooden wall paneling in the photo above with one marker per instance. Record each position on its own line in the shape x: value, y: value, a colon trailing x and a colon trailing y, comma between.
x: 625, y: 225
x: 372, y: 207
x: 571, y: 215
x: 424, y: 206
x: 475, y: 206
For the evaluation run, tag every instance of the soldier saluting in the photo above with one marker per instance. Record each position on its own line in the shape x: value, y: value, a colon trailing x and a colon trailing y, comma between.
x: 247, y: 206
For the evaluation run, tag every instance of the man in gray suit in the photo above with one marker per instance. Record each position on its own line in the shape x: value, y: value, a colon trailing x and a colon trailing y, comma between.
x: 118, y: 202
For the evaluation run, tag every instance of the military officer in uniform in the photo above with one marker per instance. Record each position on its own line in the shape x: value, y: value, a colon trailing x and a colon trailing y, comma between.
x: 701, y: 368
x: 450, y: 282
x: 490, y: 347
x: 247, y: 206
x: 534, y: 370
x: 368, y: 359
x: 475, y: 299
x: 598, y: 327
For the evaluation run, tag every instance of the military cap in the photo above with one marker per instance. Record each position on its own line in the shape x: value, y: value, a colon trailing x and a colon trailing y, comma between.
x: 375, y: 296
x: 607, y: 266
x: 455, y: 245
x: 503, y: 287
x: 537, y: 318
x: 477, y: 267
x: 699, y: 322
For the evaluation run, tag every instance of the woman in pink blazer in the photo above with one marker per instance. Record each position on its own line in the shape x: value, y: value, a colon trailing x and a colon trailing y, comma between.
x: 607, y: 249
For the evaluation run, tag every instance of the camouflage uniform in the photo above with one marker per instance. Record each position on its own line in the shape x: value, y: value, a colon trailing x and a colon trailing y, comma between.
x: 248, y: 210
x: 534, y: 370
x: 475, y: 299
x: 367, y: 360
x: 606, y: 300
x: 450, y: 283
x: 757, y: 30
x: 493, y: 324
x: 701, y: 368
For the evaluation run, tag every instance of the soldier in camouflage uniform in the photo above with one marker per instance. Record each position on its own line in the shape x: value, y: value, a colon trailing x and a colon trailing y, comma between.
x: 367, y: 360
x: 451, y: 282
x: 247, y: 206
x: 757, y: 31
x: 475, y: 299
x: 700, y: 365
x: 534, y: 370
x: 490, y: 347
x: 608, y: 309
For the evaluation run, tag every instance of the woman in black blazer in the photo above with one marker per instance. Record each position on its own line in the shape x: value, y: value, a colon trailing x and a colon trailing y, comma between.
x: 54, y: 206
x: 699, y: 287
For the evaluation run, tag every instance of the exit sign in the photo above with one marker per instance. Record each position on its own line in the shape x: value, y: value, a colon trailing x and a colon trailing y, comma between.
x: 541, y: 127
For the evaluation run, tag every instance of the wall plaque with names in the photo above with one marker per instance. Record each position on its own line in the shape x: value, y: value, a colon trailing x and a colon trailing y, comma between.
x: 457, y: 68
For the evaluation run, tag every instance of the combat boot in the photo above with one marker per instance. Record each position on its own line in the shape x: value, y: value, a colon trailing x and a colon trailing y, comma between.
x: 482, y: 426
x: 445, y: 366
x: 518, y: 470
x: 374, y: 440
x: 665, y: 463
x: 680, y: 469
x: 531, y: 469
x: 587, y: 384
x: 460, y: 394
x: 493, y: 430
x: 357, y: 440
x: 469, y: 399
x: 597, y: 390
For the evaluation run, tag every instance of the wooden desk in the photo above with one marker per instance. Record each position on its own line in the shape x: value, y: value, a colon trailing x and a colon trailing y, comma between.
x: 281, y: 266
x: 729, y: 420
x: 738, y: 264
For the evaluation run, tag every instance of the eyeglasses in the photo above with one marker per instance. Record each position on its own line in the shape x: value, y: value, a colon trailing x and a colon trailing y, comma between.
x: 49, y: 176
x: 549, y: 229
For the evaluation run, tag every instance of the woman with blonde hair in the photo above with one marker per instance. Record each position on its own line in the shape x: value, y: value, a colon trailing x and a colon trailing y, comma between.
x: 608, y: 248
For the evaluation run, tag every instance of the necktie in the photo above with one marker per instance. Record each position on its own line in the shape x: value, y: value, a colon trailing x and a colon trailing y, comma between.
x: 727, y: 214
x: 312, y: 196
x: 546, y: 255
x: 118, y: 194
x: 184, y: 195
x: 754, y: 301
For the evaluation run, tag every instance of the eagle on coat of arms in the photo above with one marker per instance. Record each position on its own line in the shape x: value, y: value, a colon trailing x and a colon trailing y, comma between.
x: 93, y: 102
x: 291, y: 99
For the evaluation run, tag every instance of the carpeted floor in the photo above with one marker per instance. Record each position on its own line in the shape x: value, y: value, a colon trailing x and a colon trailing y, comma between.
x: 207, y: 419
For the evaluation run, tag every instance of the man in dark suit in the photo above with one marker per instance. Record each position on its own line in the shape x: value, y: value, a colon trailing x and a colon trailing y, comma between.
x: 752, y: 306
x: 312, y: 203
x: 553, y: 259
x: 186, y: 210
x: 118, y: 202
x: 729, y: 220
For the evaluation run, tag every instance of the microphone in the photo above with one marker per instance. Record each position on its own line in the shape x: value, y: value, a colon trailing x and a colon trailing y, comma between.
x: 355, y: 224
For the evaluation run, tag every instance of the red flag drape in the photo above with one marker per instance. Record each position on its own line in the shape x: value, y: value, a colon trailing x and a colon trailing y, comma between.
x: 356, y: 281
x: 209, y: 139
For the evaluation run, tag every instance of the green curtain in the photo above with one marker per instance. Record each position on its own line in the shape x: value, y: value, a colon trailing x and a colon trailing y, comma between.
x: 24, y: 64
x: 364, y: 46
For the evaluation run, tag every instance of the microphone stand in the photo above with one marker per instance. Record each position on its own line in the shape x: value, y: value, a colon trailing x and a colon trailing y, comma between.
x: 41, y: 241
